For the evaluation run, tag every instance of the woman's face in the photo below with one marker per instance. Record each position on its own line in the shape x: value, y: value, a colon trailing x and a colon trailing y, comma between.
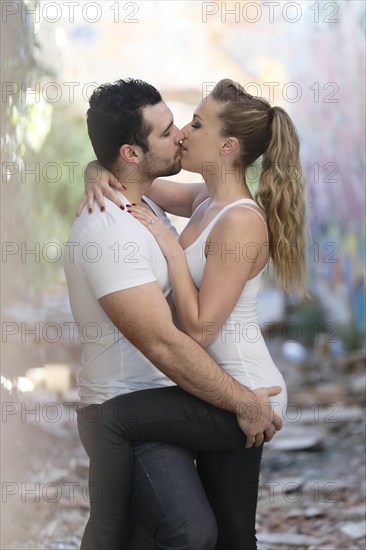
x: 202, y: 138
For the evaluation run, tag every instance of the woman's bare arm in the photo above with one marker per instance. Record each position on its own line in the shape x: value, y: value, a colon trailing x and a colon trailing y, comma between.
x: 176, y: 198
x: 237, y: 251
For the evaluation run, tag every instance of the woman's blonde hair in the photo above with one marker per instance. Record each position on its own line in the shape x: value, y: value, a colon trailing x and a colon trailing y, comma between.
x: 269, y: 132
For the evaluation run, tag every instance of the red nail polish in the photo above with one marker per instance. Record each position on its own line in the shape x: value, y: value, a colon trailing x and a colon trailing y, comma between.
x: 90, y: 210
x: 122, y: 207
x: 102, y: 208
x: 128, y: 205
x: 133, y: 204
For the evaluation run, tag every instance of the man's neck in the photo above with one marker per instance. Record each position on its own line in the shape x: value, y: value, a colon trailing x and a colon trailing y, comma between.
x: 135, y: 187
x: 134, y: 194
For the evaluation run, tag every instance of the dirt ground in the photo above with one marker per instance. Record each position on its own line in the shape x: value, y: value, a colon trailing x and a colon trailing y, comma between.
x: 312, y: 484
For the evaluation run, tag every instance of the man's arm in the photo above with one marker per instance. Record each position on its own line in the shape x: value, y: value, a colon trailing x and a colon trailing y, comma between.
x: 143, y: 316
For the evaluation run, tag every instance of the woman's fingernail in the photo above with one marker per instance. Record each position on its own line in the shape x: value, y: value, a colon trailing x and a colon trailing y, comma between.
x: 133, y: 204
x: 122, y: 207
x: 128, y: 205
x: 102, y: 208
x: 90, y: 210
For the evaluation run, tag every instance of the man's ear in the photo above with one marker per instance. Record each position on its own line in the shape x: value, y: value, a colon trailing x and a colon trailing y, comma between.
x: 230, y: 145
x: 130, y: 153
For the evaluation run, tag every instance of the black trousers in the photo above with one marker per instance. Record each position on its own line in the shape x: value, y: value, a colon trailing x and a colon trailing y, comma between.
x: 229, y: 472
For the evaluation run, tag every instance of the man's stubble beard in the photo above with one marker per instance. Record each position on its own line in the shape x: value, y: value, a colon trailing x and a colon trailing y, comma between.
x: 154, y: 166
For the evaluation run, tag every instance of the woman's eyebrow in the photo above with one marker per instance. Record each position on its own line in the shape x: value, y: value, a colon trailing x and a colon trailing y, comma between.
x: 198, y: 116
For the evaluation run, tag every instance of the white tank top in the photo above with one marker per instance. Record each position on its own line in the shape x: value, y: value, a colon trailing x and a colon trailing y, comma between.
x: 239, y: 346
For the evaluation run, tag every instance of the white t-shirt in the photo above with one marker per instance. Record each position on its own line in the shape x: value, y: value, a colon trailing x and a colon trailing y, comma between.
x: 107, y: 252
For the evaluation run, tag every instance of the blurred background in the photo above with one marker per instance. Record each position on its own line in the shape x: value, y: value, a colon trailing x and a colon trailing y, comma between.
x: 307, y: 57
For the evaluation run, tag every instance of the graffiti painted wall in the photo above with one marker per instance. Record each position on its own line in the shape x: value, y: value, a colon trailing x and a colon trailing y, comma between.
x: 310, y: 58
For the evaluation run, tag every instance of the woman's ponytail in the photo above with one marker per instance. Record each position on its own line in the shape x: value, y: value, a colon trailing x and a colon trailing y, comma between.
x: 281, y: 193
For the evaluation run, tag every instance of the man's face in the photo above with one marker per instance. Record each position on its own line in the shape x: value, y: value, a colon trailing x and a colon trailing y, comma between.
x: 163, y: 157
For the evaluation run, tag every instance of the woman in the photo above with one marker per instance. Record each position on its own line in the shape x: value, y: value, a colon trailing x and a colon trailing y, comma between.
x: 216, y: 269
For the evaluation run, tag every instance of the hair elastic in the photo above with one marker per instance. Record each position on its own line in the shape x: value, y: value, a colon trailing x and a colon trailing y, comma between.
x: 271, y: 113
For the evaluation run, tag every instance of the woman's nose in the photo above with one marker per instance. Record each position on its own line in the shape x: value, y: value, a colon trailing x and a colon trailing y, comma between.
x: 184, y: 131
x: 179, y: 136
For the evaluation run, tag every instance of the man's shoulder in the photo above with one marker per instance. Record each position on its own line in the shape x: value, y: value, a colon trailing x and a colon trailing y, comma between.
x: 112, y: 230
x: 113, y: 220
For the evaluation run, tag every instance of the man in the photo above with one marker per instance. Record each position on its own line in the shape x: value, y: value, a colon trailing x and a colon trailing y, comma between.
x: 118, y: 284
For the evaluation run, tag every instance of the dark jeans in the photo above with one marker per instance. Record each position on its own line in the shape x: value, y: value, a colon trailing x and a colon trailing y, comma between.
x: 173, y: 416
x: 168, y: 502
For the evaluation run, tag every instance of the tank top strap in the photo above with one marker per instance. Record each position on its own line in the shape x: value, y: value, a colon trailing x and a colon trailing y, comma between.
x: 245, y: 203
x: 209, y: 226
x: 199, y: 206
x: 256, y: 212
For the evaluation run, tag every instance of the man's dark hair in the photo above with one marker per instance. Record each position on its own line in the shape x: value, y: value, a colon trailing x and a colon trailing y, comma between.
x: 115, y: 117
